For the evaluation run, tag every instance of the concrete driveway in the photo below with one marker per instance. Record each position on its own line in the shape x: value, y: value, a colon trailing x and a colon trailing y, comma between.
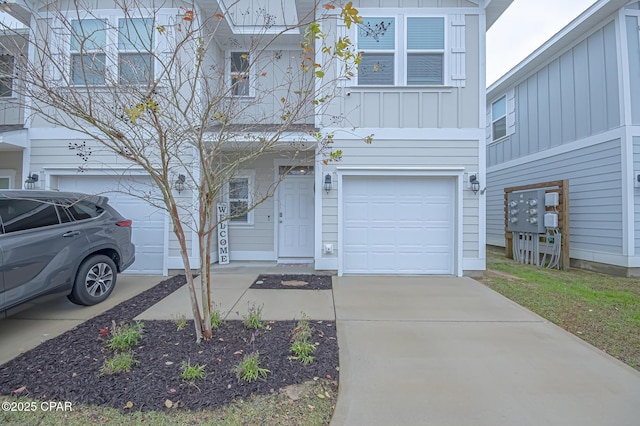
x: 27, y: 329
x: 450, y: 351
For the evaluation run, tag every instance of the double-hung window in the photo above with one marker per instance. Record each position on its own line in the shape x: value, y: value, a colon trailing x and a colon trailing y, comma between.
x: 499, y: 119
x: 401, y: 51
x: 135, y: 43
x: 88, y: 51
x: 94, y: 56
x: 7, y: 66
x: 239, y: 196
x: 239, y: 73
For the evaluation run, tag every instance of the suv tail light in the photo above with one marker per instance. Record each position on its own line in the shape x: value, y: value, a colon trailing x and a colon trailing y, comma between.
x: 126, y: 222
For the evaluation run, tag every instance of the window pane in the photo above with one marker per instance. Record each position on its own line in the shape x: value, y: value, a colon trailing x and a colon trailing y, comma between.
x: 425, y: 33
x: 135, y: 68
x: 239, y: 208
x: 424, y: 68
x: 83, y: 210
x: 135, y: 34
x: 6, y: 87
x: 88, y: 34
x: 499, y: 108
x: 90, y: 66
x: 4, y: 183
x: 6, y: 65
x: 239, y: 188
x: 239, y: 62
x: 500, y: 128
x: 377, y: 34
x: 376, y: 69
x: 240, y: 85
x: 20, y: 215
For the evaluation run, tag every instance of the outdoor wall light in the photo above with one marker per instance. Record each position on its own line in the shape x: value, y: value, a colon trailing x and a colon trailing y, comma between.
x: 30, y: 183
x: 328, y: 185
x: 475, y: 183
x: 179, y: 184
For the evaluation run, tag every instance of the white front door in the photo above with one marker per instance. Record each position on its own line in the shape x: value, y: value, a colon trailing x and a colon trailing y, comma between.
x: 296, y: 217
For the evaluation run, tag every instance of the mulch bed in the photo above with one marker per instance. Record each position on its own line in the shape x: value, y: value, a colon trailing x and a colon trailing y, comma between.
x: 66, y: 368
x: 293, y: 282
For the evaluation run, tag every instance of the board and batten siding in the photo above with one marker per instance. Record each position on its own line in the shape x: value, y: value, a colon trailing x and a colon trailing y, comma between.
x: 595, y: 194
x: 408, y: 153
x: 574, y: 96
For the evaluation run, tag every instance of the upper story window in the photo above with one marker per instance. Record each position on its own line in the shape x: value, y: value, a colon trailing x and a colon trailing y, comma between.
x: 499, y: 119
x: 90, y: 51
x: 7, y: 66
x: 135, y: 42
x: 239, y: 73
x: 401, y: 51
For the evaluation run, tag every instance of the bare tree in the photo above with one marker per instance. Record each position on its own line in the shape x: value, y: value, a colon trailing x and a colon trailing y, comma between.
x: 157, y: 95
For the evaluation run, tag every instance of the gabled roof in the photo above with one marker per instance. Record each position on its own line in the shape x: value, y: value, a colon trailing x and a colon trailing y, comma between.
x: 556, y: 44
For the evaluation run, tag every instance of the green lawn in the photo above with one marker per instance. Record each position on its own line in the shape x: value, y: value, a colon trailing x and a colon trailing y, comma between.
x: 601, y: 309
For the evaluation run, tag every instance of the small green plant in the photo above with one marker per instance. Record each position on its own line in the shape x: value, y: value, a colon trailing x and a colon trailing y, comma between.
x: 216, y: 318
x: 181, y: 323
x: 120, y: 363
x: 253, y: 320
x: 192, y: 372
x: 125, y: 336
x: 249, y: 368
x: 301, y: 347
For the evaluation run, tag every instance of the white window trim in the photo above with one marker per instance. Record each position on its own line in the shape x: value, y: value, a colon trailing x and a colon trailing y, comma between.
x: 242, y: 174
x: 250, y: 77
x: 401, y: 52
x: 112, y: 16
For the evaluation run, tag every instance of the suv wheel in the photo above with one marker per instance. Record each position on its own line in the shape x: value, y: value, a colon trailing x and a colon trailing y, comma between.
x: 95, y: 280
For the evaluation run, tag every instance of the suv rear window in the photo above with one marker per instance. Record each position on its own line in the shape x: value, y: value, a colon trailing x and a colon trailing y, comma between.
x: 20, y: 215
x: 81, y: 210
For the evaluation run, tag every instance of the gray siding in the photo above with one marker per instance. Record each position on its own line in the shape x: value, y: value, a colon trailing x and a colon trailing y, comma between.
x: 636, y: 191
x: 595, y: 194
x: 573, y: 97
x: 633, y: 42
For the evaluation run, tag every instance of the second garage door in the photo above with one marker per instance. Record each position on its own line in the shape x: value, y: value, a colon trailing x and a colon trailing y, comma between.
x: 148, y: 222
x: 398, y: 225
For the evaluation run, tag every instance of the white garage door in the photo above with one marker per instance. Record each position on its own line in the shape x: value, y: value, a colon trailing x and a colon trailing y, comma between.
x: 398, y: 225
x: 148, y: 222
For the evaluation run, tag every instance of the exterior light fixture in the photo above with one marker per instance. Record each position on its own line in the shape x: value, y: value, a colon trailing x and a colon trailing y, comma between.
x: 179, y: 184
x: 474, y: 183
x: 30, y: 183
x: 328, y: 185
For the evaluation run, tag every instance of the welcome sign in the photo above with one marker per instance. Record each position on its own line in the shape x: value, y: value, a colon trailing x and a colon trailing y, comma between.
x: 223, y: 233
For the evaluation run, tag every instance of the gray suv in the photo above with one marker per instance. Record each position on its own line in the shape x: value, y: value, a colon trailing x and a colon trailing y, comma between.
x: 59, y: 242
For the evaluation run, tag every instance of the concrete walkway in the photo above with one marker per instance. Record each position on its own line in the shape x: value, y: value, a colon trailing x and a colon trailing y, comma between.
x: 450, y: 351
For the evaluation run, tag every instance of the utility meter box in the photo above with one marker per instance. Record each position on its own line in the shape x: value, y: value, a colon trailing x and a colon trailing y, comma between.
x: 525, y: 211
